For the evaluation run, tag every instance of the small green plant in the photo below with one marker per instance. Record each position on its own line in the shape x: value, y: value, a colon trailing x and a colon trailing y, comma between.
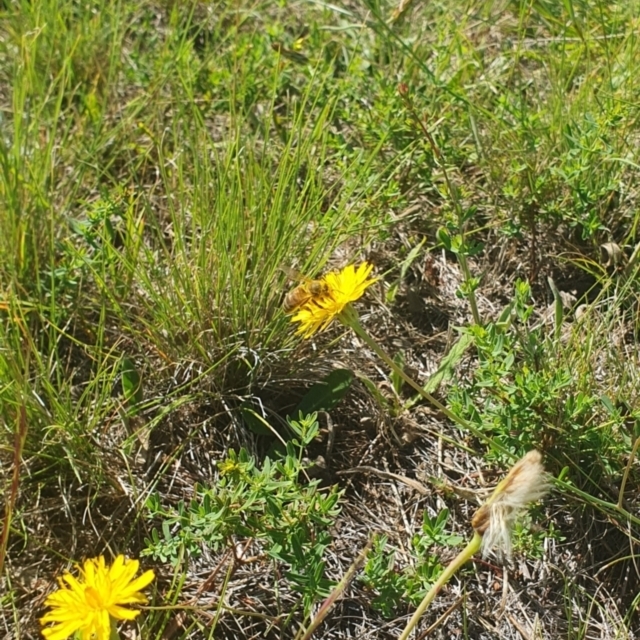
x: 395, y: 587
x: 382, y: 576
x: 288, y: 518
x: 529, y: 540
x: 531, y: 390
x: 434, y: 533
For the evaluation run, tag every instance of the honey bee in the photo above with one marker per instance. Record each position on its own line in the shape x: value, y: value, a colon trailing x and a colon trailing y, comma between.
x: 304, y: 292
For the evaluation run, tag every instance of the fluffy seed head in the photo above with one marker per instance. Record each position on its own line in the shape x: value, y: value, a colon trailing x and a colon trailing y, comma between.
x: 526, y: 482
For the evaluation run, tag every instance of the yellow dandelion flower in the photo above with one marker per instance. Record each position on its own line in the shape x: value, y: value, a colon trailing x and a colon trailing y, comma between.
x: 339, y: 290
x: 86, y: 605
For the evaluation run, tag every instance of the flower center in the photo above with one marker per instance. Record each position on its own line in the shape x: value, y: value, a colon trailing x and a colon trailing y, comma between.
x: 93, y: 598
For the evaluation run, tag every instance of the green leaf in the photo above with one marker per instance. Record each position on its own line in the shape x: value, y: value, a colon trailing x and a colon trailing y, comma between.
x: 446, y: 368
x: 396, y: 379
x: 404, y: 267
x: 325, y: 395
x: 131, y: 384
x: 444, y: 238
x: 558, y: 310
x: 254, y: 421
x: 608, y: 405
x: 504, y: 320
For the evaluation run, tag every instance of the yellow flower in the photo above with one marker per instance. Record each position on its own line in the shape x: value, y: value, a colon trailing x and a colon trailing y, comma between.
x: 342, y: 288
x: 228, y: 467
x: 86, y: 605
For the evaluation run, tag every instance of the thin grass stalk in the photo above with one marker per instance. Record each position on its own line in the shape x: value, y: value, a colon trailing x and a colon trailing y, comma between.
x: 18, y: 446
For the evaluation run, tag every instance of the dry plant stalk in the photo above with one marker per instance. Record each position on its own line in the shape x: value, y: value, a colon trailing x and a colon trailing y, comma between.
x: 12, y: 495
x: 338, y: 591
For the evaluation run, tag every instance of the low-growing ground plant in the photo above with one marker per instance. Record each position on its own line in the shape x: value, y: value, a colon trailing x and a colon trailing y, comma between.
x: 394, y: 588
x: 269, y: 510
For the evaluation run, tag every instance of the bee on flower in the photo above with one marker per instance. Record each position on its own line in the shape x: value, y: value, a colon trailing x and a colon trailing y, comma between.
x: 302, y: 294
x: 318, y: 302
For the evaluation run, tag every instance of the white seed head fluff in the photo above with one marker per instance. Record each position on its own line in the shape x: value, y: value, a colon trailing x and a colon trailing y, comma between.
x: 526, y: 482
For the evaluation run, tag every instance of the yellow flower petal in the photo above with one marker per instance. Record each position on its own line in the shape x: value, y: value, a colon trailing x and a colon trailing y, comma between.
x: 129, y: 593
x: 343, y: 287
x: 122, y: 613
x: 86, y: 605
x: 349, y: 285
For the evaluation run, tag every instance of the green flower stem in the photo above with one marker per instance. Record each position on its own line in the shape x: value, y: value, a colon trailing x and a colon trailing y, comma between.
x: 464, y: 265
x: 613, y: 509
x: 349, y: 317
x: 114, y: 631
x: 462, y: 558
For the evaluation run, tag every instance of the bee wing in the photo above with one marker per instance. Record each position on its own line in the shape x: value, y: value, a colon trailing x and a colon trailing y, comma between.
x: 294, y: 274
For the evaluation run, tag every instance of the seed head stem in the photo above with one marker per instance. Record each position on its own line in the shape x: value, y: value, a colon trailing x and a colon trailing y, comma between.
x: 461, y: 559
